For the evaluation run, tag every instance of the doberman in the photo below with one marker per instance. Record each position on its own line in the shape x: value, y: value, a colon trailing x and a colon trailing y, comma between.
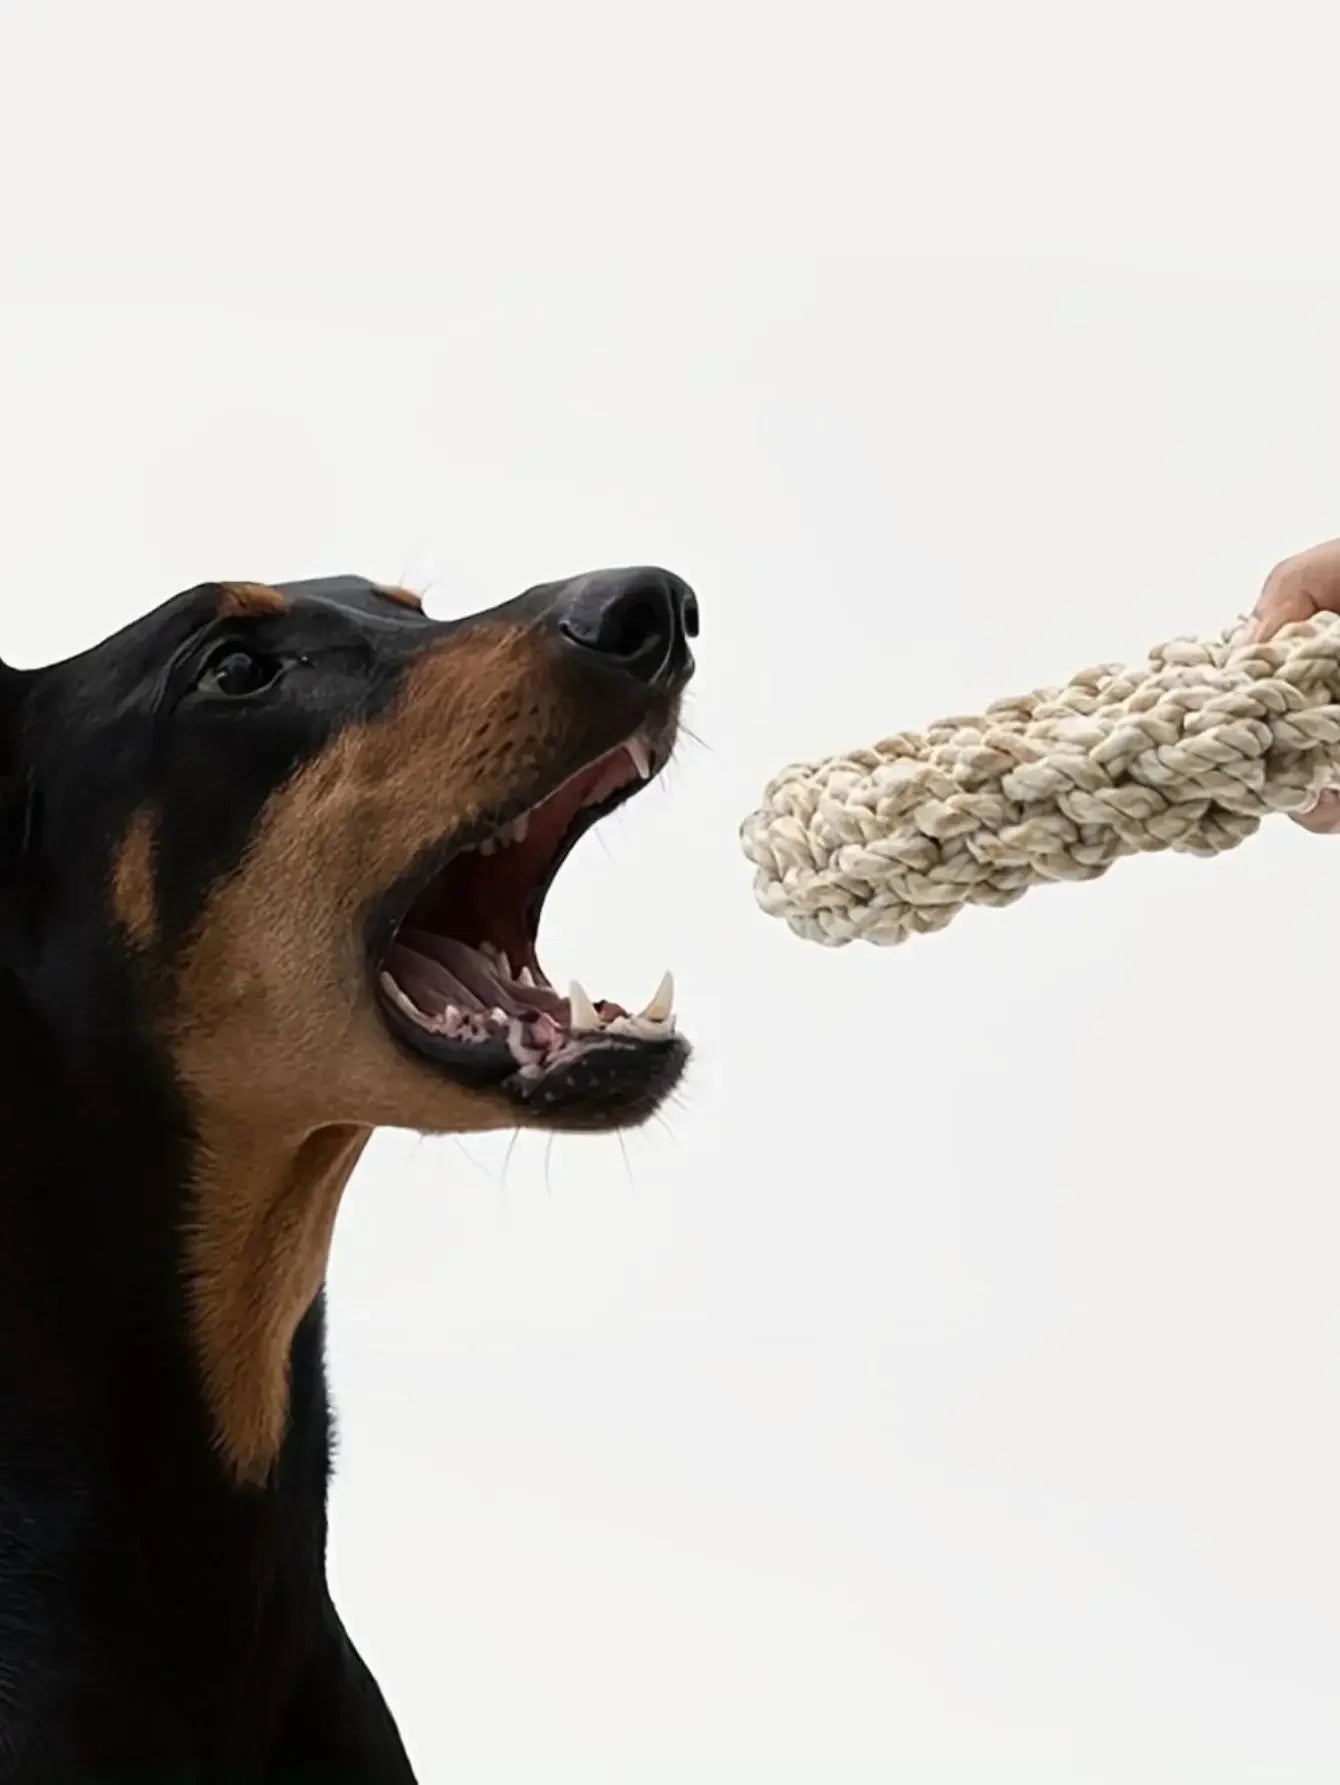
x: 274, y: 865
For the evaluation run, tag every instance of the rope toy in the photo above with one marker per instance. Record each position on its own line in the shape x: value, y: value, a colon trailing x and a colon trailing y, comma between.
x: 1189, y: 751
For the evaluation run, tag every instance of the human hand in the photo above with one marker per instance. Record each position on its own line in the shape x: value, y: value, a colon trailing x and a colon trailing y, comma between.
x: 1304, y: 585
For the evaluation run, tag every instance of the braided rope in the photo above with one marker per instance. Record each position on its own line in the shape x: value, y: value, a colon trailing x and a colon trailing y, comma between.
x: 1189, y: 751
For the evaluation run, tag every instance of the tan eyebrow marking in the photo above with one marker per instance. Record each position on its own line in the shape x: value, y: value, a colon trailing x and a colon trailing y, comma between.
x: 406, y: 597
x: 250, y: 599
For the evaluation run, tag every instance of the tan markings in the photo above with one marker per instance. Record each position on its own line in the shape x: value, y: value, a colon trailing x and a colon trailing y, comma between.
x: 406, y: 597
x: 259, y: 1250
x: 273, y: 1028
x: 249, y: 599
x: 133, y: 894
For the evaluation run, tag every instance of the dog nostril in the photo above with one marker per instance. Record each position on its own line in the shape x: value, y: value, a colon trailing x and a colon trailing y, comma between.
x: 633, y: 627
x: 638, y: 620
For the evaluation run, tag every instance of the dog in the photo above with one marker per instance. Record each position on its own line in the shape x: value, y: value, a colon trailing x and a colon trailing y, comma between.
x: 274, y: 862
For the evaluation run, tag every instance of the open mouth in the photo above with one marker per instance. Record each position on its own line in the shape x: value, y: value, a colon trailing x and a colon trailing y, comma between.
x: 461, y: 980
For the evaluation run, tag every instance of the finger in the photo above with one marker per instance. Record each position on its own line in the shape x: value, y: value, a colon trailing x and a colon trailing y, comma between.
x: 1283, y: 603
x: 1299, y: 587
x: 1323, y: 818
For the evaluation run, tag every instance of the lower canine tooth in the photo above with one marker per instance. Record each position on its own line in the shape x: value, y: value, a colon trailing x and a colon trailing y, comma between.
x: 662, y: 1006
x: 585, y: 1016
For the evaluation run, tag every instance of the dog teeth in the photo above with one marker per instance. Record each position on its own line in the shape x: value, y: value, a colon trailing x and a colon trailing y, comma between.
x: 515, y: 832
x: 661, y: 1010
x: 526, y: 978
x: 641, y: 756
x: 657, y: 1021
x: 451, y: 1020
x: 585, y: 1016
x: 402, y: 999
x: 496, y: 957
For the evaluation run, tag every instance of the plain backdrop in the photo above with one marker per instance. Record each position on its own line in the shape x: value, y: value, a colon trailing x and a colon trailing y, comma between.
x: 946, y: 1389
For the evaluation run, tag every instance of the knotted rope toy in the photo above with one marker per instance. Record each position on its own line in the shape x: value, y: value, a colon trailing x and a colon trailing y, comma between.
x: 1188, y: 751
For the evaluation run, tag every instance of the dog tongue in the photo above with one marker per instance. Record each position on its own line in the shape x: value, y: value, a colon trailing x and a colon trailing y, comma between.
x: 451, y: 972
x: 428, y: 985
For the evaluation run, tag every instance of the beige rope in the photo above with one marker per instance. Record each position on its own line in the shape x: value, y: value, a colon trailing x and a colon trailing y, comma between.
x: 1189, y: 751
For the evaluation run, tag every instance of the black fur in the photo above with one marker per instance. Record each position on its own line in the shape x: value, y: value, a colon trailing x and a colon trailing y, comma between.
x: 158, y: 1623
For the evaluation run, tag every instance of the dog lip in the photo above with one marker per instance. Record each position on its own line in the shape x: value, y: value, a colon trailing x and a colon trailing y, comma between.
x: 607, y: 1081
x: 489, y: 1065
x: 483, y: 1065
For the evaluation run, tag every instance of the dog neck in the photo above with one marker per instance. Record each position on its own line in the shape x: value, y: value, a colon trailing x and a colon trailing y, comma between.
x: 159, y: 1261
x: 258, y: 1238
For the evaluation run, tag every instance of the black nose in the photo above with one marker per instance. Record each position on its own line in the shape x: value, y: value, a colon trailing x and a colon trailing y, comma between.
x: 639, y: 621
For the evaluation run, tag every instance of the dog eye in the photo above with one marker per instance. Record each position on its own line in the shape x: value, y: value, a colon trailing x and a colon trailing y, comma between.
x: 234, y: 673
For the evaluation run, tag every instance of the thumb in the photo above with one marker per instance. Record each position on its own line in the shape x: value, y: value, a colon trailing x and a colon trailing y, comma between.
x: 1323, y: 817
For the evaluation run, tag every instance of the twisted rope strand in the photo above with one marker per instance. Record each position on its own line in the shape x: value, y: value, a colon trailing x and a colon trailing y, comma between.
x: 1189, y: 751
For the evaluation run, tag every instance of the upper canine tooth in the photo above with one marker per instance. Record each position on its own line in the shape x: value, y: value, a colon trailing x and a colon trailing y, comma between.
x: 641, y: 756
x: 519, y: 828
x: 662, y: 1006
x: 585, y: 1016
x: 525, y: 977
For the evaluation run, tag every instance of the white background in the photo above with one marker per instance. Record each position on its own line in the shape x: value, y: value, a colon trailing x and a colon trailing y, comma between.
x: 946, y: 1391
